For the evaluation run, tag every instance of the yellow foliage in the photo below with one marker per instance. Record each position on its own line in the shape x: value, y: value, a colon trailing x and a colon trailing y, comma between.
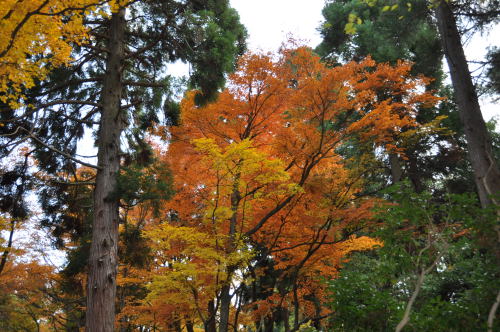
x: 259, y: 170
x: 38, y: 35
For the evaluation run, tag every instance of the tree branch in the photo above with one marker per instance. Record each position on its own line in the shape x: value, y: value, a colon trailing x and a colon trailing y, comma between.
x: 62, y: 153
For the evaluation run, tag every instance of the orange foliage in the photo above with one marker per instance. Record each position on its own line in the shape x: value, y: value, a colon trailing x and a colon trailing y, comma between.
x: 26, y: 299
x: 258, y: 174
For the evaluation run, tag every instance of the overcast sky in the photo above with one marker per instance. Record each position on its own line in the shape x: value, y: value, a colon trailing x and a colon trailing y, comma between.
x: 269, y: 21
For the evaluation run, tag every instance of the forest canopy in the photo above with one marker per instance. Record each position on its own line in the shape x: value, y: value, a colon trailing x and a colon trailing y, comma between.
x: 346, y: 187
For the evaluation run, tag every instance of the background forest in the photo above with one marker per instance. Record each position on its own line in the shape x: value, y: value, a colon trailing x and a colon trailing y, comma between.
x: 350, y: 186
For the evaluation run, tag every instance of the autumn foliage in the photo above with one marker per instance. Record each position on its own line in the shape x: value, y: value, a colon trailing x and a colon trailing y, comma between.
x: 265, y: 205
x: 38, y: 35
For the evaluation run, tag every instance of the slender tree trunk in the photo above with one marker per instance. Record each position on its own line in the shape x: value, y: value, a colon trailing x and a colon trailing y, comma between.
x: 396, y: 170
x: 295, y: 307
x: 225, y: 305
x: 189, y: 326
x: 317, y: 307
x: 413, y: 172
x: 286, y: 319
x: 103, y: 261
x: 210, y: 323
x: 225, y: 297
x: 9, y: 245
x: 269, y: 323
x: 492, y: 313
x: 486, y: 173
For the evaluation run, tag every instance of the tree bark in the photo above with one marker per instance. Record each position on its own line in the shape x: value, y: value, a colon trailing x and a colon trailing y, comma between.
x: 396, y: 170
x: 189, y: 326
x: 486, y: 173
x: 225, y: 305
x: 286, y: 319
x: 103, y: 261
x: 9, y: 246
x: 225, y: 296
x: 210, y: 323
x: 295, y: 307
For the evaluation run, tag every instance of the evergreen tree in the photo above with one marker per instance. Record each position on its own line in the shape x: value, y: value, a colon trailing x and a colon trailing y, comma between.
x: 486, y: 171
x: 391, y: 31
x: 116, y: 87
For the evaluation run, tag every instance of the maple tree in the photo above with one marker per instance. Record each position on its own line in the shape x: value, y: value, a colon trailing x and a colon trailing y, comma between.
x: 37, y: 36
x: 276, y: 181
x: 25, y: 283
x: 262, y: 192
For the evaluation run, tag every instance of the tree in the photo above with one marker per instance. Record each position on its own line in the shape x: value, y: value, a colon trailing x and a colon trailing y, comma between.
x: 261, y: 189
x: 38, y: 35
x: 347, y: 26
x: 390, y: 31
x: 25, y: 283
x: 418, y: 230
x: 113, y: 84
x: 486, y: 171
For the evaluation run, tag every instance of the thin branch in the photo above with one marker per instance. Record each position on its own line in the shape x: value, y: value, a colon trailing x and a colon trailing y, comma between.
x: 420, y: 281
x: 62, y: 153
x: 144, y: 84
x: 492, y: 314
x: 83, y: 183
x: 70, y: 102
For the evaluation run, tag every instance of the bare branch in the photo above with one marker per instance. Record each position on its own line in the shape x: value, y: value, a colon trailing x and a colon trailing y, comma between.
x: 62, y: 153
x: 145, y: 84
x: 71, y: 102
x: 492, y: 314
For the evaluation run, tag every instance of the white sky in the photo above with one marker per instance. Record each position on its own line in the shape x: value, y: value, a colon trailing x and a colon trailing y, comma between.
x: 269, y: 21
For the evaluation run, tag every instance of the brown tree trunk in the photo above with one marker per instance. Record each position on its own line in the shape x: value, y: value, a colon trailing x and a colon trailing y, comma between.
x: 9, y: 246
x: 286, y: 319
x: 225, y: 306
x: 269, y: 323
x: 189, y: 326
x: 413, y: 172
x: 295, y: 307
x: 396, y: 170
x: 210, y: 323
x: 103, y: 261
x: 225, y: 296
x: 486, y: 173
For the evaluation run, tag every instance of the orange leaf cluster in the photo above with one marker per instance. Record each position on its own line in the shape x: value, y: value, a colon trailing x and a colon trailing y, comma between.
x: 258, y: 176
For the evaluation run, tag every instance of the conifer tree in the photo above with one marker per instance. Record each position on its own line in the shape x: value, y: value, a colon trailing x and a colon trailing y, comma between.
x: 116, y: 86
x: 486, y: 171
x: 390, y: 31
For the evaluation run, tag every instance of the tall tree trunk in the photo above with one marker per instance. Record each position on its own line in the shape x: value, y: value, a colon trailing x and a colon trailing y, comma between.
x: 413, y: 172
x: 486, y: 173
x: 286, y: 319
x: 295, y: 307
x: 269, y: 323
x: 225, y: 306
x: 103, y: 261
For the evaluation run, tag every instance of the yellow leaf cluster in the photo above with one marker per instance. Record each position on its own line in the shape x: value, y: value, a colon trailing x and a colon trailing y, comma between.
x: 38, y: 35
